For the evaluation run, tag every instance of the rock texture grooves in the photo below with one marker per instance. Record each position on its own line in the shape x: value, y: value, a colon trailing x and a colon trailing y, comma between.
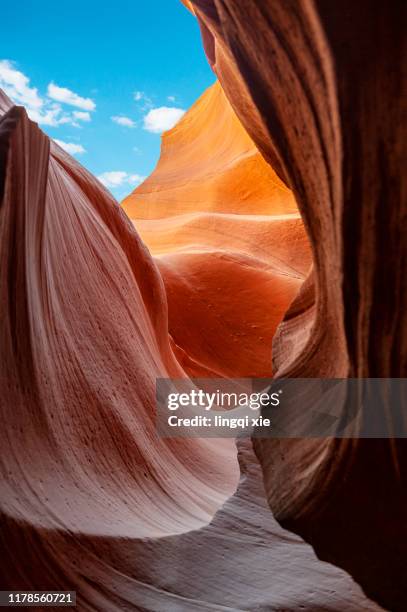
x: 319, y: 87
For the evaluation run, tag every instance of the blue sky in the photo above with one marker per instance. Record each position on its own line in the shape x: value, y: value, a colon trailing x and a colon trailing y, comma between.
x: 77, y: 65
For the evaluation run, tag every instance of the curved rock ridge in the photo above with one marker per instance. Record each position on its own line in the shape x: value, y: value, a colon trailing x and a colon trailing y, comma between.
x: 227, y: 238
x: 319, y: 87
x: 209, y: 163
x: 84, y: 337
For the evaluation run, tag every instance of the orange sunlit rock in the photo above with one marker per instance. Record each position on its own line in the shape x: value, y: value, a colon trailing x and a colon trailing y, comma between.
x: 227, y: 238
x: 209, y: 163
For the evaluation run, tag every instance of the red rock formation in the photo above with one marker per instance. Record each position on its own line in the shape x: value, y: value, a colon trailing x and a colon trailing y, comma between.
x: 319, y: 86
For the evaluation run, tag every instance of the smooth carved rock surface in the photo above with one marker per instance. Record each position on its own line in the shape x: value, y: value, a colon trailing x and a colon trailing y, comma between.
x: 209, y: 163
x: 319, y: 87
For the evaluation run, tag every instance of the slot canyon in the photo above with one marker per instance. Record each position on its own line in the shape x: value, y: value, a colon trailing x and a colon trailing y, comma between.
x: 269, y: 241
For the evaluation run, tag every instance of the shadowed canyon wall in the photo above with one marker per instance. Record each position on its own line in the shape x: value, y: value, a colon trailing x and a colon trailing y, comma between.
x: 319, y: 87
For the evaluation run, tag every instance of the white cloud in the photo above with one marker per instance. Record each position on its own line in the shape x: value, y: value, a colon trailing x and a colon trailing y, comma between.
x: 116, y: 178
x: 135, y: 179
x: 49, y: 116
x: 70, y: 147
x: 65, y: 95
x: 42, y: 110
x: 121, y: 120
x: 163, y: 118
x: 171, y: 98
x: 17, y: 86
x: 81, y: 115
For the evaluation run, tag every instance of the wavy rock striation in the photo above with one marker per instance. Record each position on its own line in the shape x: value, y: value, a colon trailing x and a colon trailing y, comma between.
x: 91, y: 498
